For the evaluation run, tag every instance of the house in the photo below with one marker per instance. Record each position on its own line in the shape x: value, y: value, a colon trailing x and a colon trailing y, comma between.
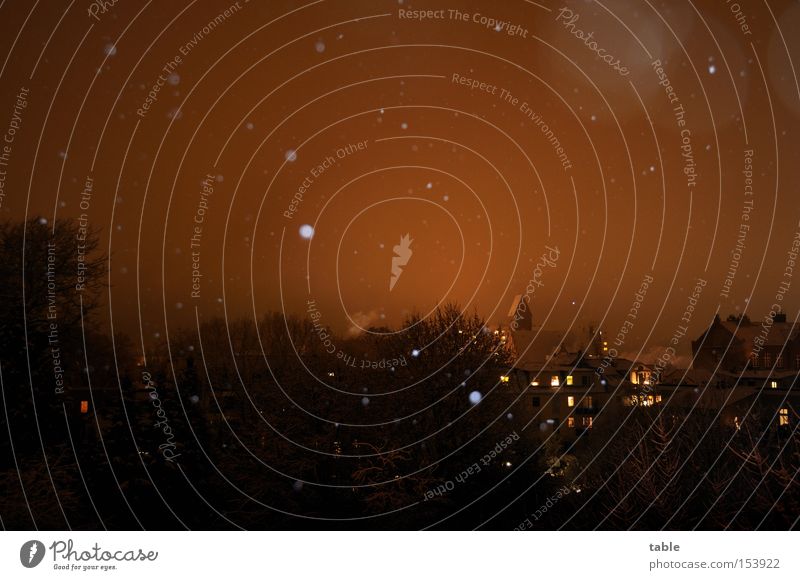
x: 729, y: 345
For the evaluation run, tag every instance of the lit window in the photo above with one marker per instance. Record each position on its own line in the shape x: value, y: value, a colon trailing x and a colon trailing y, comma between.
x: 783, y: 418
x: 774, y: 384
x: 534, y: 383
x: 554, y: 381
x: 658, y: 398
x: 588, y: 402
x: 569, y: 381
x: 570, y: 421
x: 503, y: 378
x: 570, y: 401
x: 84, y: 407
x: 587, y: 422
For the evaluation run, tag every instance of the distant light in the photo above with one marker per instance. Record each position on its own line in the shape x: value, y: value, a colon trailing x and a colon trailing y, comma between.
x: 306, y: 231
x: 475, y: 397
x: 509, y: 416
x: 429, y: 185
x: 404, y: 125
x: 415, y: 353
x: 291, y: 155
x: 365, y: 401
x: 194, y: 398
x: 508, y: 464
x: 320, y: 46
x: 712, y: 69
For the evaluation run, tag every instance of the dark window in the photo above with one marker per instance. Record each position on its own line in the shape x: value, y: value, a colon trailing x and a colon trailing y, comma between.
x: 536, y: 401
x: 585, y: 380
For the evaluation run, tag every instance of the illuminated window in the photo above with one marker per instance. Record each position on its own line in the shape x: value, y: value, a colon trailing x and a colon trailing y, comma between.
x: 658, y: 398
x: 534, y: 383
x: 554, y: 381
x: 587, y: 422
x: 84, y: 407
x: 774, y: 384
x: 503, y: 378
x: 570, y: 401
x: 569, y: 381
x: 570, y: 421
x: 588, y: 402
x: 783, y: 418
x: 736, y: 423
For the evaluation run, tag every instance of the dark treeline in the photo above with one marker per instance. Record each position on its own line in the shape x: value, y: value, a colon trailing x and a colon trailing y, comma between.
x: 279, y: 423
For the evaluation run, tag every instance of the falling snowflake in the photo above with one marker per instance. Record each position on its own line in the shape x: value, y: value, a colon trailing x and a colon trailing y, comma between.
x: 306, y: 231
